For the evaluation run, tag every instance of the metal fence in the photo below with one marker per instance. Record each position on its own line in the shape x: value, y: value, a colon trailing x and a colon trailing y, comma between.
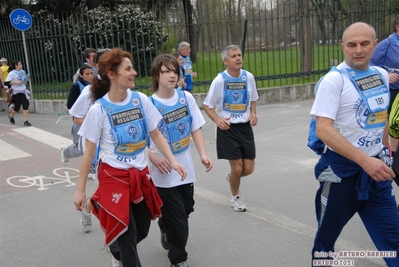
x: 273, y: 36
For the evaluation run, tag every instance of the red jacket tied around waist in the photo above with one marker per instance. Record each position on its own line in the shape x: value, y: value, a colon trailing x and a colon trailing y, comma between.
x: 117, y: 188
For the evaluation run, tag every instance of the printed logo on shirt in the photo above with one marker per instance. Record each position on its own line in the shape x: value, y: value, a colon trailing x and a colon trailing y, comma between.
x: 133, y: 131
x: 236, y: 85
x: 135, y: 102
x: 237, y: 97
x: 373, y: 122
x: 369, y: 82
x: 181, y: 143
x: 367, y: 120
x: 116, y: 197
x: 182, y: 101
x: 372, y: 138
x: 175, y: 115
x: 126, y: 116
x: 182, y: 128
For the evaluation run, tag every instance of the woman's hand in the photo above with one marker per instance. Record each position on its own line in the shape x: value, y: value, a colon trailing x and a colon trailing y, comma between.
x: 162, y: 164
x: 79, y: 200
x: 180, y: 170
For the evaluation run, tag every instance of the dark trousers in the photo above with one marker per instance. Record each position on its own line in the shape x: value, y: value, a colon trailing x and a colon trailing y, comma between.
x: 20, y: 100
x: 124, y: 248
x: 336, y: 203
x: 178, y: 203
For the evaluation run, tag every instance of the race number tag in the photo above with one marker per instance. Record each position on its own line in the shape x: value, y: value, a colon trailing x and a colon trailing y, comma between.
x: 378, y: 102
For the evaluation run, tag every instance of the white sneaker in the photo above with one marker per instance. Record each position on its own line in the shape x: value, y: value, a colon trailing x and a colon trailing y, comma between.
x: 237, y: 204
x: 63, y: 159
x: 114, y: 262
x: 85, y: 219
x: 10, y: 108
x: 92, y: 174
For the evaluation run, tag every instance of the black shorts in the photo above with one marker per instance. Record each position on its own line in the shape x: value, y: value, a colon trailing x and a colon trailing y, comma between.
x: 236, y: 143
x: 20, y: 99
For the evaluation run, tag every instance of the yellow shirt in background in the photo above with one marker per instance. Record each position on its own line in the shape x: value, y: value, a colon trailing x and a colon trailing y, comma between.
x: 4, y: 72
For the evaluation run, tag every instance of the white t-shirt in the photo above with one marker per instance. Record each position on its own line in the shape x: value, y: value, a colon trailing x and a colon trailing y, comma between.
x: 215, y: 96
x: 82, y: 104
x: 184, y: 158
x: 81, y: 107
x: 96, y: 128
x: 17, y: 88
x: 339, y: 100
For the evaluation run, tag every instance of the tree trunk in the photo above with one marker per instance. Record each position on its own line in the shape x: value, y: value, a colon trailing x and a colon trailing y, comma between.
x: 188, y: 11
x: 319, y: 6
x: 305, y: 43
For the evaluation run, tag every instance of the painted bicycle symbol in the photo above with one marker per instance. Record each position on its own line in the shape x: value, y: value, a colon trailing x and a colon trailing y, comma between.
x: 65, y: 175
x: 22, y: 19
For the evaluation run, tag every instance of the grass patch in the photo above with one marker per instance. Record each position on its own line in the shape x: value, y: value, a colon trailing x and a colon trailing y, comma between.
x: 270, y: 68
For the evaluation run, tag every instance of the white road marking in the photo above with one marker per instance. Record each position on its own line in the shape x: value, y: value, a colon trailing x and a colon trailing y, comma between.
x: 44, y: 137
x: 8, y: 152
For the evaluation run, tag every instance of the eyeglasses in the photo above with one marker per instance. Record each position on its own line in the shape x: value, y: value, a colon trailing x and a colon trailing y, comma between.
x: 99, y: 53
x: 102, y: 50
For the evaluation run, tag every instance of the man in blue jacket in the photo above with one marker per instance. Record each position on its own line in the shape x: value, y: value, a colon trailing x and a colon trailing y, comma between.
x: 386, y: 56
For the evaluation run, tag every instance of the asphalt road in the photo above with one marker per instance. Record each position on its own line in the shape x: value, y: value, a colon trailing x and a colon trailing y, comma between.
x: 39, y: 225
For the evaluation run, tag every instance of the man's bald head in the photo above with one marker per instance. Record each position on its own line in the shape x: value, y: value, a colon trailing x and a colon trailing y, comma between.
x: 359, y: 25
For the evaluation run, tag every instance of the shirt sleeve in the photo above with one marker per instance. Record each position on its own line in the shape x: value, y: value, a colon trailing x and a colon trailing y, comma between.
x: 91, y: 128
x: 378, y: 58
x: 10, y: 77
x: 213, y: 97
x: 327, y: 100
x: 81, y: 106
x: 252, y: 87
x: 198, y: 119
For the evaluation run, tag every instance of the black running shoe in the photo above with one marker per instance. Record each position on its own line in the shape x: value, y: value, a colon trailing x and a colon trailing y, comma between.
x: 11, y: 120
x: 26, y: 123
x: 164, y: 240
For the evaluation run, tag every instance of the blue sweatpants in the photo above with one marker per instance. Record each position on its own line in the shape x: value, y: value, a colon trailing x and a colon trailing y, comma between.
x: 336, y: 203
